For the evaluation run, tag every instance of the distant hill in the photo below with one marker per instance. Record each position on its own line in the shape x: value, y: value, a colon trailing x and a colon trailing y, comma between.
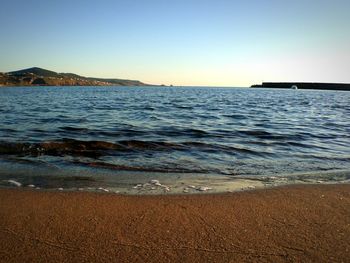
x: 304, y: 85
x: 42, y: 77
x: 35, y: 71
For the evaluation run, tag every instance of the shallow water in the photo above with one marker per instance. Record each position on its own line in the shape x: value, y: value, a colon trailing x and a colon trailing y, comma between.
x: 118, y: 137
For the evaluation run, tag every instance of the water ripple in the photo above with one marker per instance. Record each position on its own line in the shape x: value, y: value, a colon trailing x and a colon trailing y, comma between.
x: 208, y: 130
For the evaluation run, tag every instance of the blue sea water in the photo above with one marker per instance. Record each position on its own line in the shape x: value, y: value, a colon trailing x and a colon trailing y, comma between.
x: 81, y: 137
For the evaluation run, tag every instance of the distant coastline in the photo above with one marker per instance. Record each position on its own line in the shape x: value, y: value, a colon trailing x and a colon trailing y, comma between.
x: 303, y: 85
x: 42, y: 77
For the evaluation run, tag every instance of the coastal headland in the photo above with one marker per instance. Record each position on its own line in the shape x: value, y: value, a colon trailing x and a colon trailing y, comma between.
x: 42, y: 77
x: 305, y: 223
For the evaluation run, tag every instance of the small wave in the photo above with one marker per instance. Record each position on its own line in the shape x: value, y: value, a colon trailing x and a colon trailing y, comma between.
x: 119, y: 167
x: 184, y: 107
x: 8, y: 130
x: 120, y: 132
x: 235, y: 116
x: 57, y: 148
x: 95, y: 149
x: 260, y: 134
x: 149, y: 145
x: 192, y: 133
x: 344, y: 158
x: 220, y: 148
x: 82, y: 148
x: 74, y: 129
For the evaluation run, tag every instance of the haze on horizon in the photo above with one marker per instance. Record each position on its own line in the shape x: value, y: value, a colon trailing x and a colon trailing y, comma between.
x: 217, y: 43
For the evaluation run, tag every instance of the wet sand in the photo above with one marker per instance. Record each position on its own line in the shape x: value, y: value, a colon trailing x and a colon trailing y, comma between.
x: 309, y: 223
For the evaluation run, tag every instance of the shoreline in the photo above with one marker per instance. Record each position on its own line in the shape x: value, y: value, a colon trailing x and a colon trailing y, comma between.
x: 161, y: 184
x: 240, y: 188
x: 308, y: 223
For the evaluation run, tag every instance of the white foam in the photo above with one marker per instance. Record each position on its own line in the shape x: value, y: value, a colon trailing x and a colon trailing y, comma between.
x: 204, y: 188
x: 155, y: 182
x: 137, y: 186
x: 103, y: 189
x: 152, y: 185
x: 15, y: 183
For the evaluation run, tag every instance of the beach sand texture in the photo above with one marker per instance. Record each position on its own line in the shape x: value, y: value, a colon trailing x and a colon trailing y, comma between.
x: 306, y: 223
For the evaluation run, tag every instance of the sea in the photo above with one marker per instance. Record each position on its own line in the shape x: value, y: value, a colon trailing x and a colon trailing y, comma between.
x: 164, y: 140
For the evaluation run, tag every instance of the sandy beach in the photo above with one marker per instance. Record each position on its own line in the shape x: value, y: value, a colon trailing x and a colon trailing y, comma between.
x: 309, y: 223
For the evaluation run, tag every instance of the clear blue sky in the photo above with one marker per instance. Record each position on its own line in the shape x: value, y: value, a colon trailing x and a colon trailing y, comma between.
x: 218, y: 42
